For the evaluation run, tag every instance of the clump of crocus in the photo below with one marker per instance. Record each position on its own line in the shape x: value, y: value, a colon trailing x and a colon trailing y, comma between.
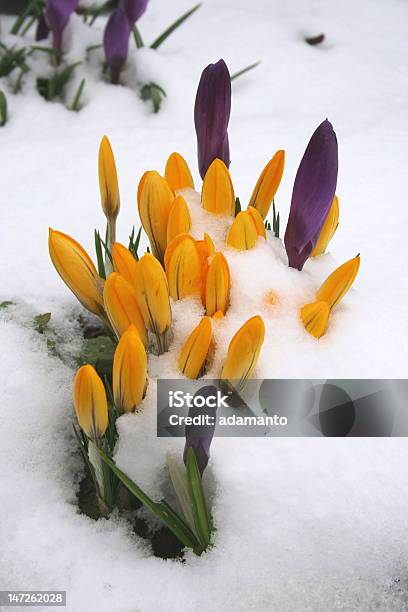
x: 217, y: 195
x: 57, y: 14
x: 315, y: 316
x: 194, y: 353
x: 129, y: 373
x: 246, y: 229
x: 328, y: 230
x: 177, y: 173
x: 313, y: 193
x: 243, y: 353
x: 77, y: 270
x: 267, y: 184
x: 211, y: 115
x: 122, y: 307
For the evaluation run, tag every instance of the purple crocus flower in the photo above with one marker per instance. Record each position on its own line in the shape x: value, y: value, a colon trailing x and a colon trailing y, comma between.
x: 199, y: 437
x: 313, y: 193
x: 133, y: 9
x: 57, y: 14
x: 116, y: 42
x: 211, y: 115
x: 42, y: 30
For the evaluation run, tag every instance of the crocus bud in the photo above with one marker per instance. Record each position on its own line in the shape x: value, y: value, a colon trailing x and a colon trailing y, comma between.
x: 129, y: 374
x: 245, y: 230
x: 217, y: 195
x: 339, y: 282
x: 124, y: 262
x: 177, y: 173
x: 267, y: 184
x: 155, y: 201
x: 91, y: 405
x: 315, y: 318
x: 133, y: 9
x: 313, y: 193
x: 57, y: 13
x: 152, y: 294
x: 217, y: 285
x: 199, y: 437
x: 122, y: 307
x: 206, y: 249
x: 179, y: 221
x: 211, y: 115
x: 328, y: 229
x: 243, y: 352
x: 194, y: 353
x: 108, y: 180
x: 77, y: 271
x: 182, y: 263
x: 42, y: 29
x: 116, y: 42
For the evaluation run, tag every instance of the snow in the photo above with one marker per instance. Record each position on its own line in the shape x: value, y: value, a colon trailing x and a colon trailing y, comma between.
x: 302, y: 524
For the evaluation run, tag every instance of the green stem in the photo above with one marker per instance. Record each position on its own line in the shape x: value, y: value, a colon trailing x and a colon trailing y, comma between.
x: 137, y: 38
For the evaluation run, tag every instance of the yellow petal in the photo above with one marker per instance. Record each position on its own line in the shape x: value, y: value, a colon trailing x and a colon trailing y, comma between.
x: 122, y: 307
x: 243, y: 233
x: 329, y: 227
x: 91, y: 405
x: 268, y: 183
x: 218, y: 316
x: 124, y: 262
x: 206, y: 249
x: 177, y: 173
x: 156, y: 199
x: 76, y: 270
x: 129, y: 371
x: 183, y: 267
x: 339, y: 282
x: 152, y: 294
x: 179, y: 221
x: 257, y: 219
x: 195, y: 350
x: 217, y: 285
x: 217, y: 195
x: 108, y: 180
x: 315, y: 318
x: 243, y: 352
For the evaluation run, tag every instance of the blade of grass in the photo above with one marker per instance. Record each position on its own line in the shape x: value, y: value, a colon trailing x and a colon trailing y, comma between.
x: 160, y: 40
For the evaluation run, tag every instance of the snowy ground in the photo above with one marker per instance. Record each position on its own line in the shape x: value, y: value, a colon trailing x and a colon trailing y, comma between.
x: 302, y: 524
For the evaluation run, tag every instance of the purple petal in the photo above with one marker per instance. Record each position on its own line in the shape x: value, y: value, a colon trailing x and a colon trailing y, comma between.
x: 313, y: 193
x: 42, y: 30
x: 133, y: 9
x: 116, y: 42
x: 199, y: 437
x: 211, y: 115
x: 57, y: 13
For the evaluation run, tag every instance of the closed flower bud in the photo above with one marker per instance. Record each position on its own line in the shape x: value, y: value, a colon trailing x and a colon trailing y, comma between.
x: 108, y: 180
x: 129, y: 371
x: 76, y: 270
x: 183, y: 267
x: 124, y: 262
x: 206, y: 249
x: 245, y: 229
x: 315, y: 318
x: 328, y: 229
x: 339, y: 282
x: 116, y: 42
x: 194, y: 353
x: 217, y: 286
x: 179, y: 221
x: 243, y: 352
x: 177, y: 173
x: 122, y: 307
x: 58, y: 13
x: 91, y: 405
x: 217, y: 194
x: 155, y: 200
x: 267, y: 184
x: 152, y: 294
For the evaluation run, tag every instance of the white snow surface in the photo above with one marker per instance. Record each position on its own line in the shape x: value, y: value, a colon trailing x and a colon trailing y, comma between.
x: 302, y: 524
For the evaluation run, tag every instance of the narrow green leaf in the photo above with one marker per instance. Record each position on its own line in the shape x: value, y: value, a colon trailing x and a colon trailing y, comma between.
x: 201, y: 514
x: 3, y: 109
x: 6, y: 304
x: 137, y: 37
x: 178, y: 477
x: 99, y: 256
x: 160, y: 40
x: 75, y: 105
x: 41, y: 321
x: 237, y: 205
x: 244, y: 70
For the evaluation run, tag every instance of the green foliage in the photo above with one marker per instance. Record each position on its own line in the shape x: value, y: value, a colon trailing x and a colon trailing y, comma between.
x: 53, y: 88
x: 6, y: 304
x: 160, y: 40
x: 237, y: 206
x: 134, y: 243
x: 202, y: 519
x: 41, y: 321
x: 98, y: 352
x: 155, y: 93
x: 3, y: 109
x: 12, y: 58
x: 244, y: 70
x: 76, y: 103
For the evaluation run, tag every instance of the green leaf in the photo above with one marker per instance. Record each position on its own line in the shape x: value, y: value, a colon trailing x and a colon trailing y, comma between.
x: 41, y: 321
x: 3, y: 109
x: 237, y: 206
x: 75, y: 104
x: 137, y: 37
x: 275, y: 221
x: 161, y: 509
x: 155, y: 93
x: 33, y: 8
x: 99, y: 256
x: 244, y: 70
x: 6, y: 304
x: 98, y: 352
x: 178, y: 477
x: 202, y: 519
x: 160, y: 40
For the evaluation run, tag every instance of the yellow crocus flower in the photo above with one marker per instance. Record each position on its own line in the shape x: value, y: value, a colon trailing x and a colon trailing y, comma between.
x: 90, y: 402
x: 217, y: 285
x: 179, y: 221
x: 194, y: 352
x: 155, y: 202
x: 329, y: 227
x: 108, y: 180
x: 217, y: 194
x: 124, y: 262
x: 315, y: 318
x: 339, y: 282
x: 243, y: 352
x: 122, y: 306
x: 177, y: 173
x: 245, y: 229
x: 267, y: 184
x: 183, y: 267
x: 129, y: 374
